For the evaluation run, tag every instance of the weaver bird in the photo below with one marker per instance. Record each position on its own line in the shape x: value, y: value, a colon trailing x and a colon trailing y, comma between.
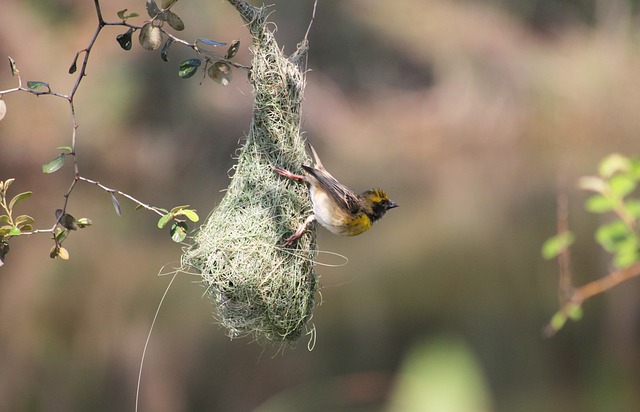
x: 335, y: 206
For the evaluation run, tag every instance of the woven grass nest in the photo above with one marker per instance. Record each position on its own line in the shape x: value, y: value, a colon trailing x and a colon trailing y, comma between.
x: 258, y: 287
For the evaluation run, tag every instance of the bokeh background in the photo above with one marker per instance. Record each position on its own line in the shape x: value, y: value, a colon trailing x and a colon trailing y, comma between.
x: 471, y: 114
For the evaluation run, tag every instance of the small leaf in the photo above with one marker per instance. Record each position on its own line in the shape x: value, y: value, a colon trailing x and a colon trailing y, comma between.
x: 121, y: 13
x: 612, y: 235
x: 67, y: 148
x: 152, y: 8
x: 68, y: 222
x: 557, y: 321
x: 13, y: 67
x: 233, y: 49
x: 164, y: 220
x: 84, y: 222
x: 179, y: 208
x: 622, y: 184
x: 61, y: 235
x: 575, y: 312
x: 124, y: 39
x: 55, y: 164
x: 74, y: 65
x: 188, y: 68
x: 116, y: 205
x: 150, y: 37
x: 63, y: 253
x: 221, y: 73
x: 613, y: 164
x: 24, y: 220
x: 165, y: 4
x: 190, y: 214
x: 632, y: 207
x: 593, y: 183
x: 19, y: 198
x: 4, y: 219
x: 124, y: 16
x: 556, y: 244
x: 37, y: 85
x: 174, y: 21
x: 179, y: 231
x: 3, y: 109
x: 8, y: 183
x: 14, y: 231
x: 599, y: 204
x: 210, y: 42
x: 165, y: 49
x: 625, y: 257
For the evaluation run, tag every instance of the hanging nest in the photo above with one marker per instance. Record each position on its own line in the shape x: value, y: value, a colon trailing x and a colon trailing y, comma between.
x: 258, y: 287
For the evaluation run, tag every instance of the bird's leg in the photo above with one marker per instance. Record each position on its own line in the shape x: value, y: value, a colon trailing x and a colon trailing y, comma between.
x: 288, y: 174
x: 299, y: 232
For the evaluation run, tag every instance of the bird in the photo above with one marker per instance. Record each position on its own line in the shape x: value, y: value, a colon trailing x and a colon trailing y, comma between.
x: 335, y: 206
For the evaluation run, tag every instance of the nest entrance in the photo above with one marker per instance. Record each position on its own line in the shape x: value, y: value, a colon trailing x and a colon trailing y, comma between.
x: 259, y: 288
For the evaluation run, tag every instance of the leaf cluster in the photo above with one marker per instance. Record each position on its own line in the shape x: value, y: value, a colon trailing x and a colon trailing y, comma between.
x: 612, y: 195
x: 152, y: 37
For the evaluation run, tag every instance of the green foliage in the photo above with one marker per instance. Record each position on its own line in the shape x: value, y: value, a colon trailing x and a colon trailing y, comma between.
x: 11, y: 226
x: 617, y: 180
x: 556, y: 244
x: 179, y: 228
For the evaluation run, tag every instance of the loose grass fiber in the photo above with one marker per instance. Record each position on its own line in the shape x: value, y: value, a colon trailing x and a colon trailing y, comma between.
x: 259, y: 288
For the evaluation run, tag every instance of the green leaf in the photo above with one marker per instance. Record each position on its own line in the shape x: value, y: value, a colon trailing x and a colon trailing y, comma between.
x: 152, y: 8
x: 55, y: 164
x: 165, y: 49
x: 19, y: 198
x: 179, y: 208
x: 122, y: 14
x: 74, y: 65
x: 233, y: 49
x: 23, y: 220
x: 174, y: 21
x: 150, y: 37
x: 3, y: 109
x: 188, y: 68
x: 37, y: 85
x: 7, y: 183
x: 632, y: 207
x: 556, y: 244
x: 625, y: 257
x: 612, y: 235
x: 613, y: 164
x: 557, y: 321
x: 14, y: 231
x: 124, y: 39
x: 164, y: 220
x: 599, y: 204
x: 575, y: 312
x: 13, y: 67
x: 190, y: 214
x: 622, y: 184
x: 179, y: 231
x: 116, y: 204
x: 4, y: 219
x: 84, y: 222
x: 210, y: 42
x: 67, y: 148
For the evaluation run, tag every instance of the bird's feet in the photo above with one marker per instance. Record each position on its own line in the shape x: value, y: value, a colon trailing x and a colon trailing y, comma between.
x: 286, y: 173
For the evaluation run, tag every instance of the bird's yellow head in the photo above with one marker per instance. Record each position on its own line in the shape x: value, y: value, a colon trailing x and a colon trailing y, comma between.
x: 376, y: 203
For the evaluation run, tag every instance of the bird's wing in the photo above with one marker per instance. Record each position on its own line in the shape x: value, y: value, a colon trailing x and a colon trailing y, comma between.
x: 342, y: 195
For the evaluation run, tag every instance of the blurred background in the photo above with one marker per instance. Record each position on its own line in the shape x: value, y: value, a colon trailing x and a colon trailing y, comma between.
x: 470, y: 114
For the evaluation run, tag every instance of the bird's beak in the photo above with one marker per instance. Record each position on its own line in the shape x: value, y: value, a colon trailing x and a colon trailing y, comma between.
x: 392, y: 204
